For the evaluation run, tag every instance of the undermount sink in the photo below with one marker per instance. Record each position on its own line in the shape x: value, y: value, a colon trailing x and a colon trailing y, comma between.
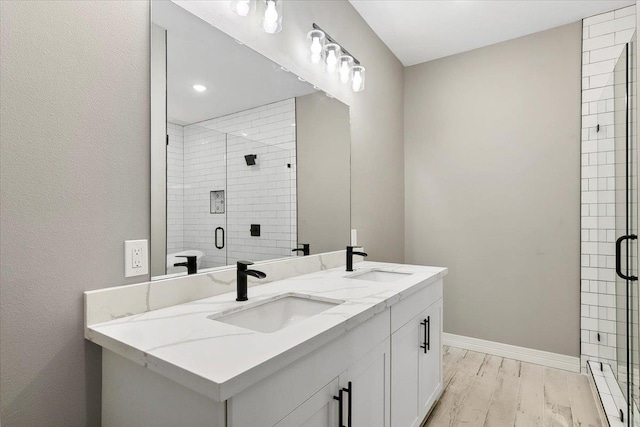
x: 276, y: 314
x: 379, y: 276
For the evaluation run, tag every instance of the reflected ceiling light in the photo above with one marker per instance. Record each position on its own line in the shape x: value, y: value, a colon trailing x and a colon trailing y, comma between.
x: 272, y: 22
x: 199, y: 88
x: 242, y: 7
x: 336, y: 59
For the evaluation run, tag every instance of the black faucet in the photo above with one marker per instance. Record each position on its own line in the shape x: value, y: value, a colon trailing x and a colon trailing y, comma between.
x: 350, y: 254
x: 304, y: 249
x: 191, y: 263
x: 241, y: 278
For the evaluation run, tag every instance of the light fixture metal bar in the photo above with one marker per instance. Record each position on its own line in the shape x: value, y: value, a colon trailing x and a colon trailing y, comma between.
x: 332, y: 40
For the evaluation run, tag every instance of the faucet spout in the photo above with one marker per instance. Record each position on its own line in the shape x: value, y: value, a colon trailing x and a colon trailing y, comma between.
x: 255, y: 273
x: 350, y: 254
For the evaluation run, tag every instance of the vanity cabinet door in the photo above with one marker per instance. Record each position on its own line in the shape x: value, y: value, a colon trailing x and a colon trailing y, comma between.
x: 416, y: 376
x: 320, y: 410
x: 368, y: 381
x: 430, y: 368
x: 405, y: 379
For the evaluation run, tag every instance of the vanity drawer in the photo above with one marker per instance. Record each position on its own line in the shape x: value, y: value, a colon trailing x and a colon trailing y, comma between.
x: 410, y: 307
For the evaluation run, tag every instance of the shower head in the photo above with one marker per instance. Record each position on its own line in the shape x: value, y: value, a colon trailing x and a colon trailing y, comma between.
x: 251, y: 159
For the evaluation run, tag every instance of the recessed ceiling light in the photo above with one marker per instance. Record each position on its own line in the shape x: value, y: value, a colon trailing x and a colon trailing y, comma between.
x: 199, y: 88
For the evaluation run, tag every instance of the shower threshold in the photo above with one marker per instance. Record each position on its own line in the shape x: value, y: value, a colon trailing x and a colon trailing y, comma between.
x: 612, y: 399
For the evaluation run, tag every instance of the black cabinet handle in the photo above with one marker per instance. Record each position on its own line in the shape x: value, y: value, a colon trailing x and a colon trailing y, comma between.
x: 216, y: 237
x: 349, y: 390
x: 427, y: 334
x: 339, y: 399
x: 619, y: 258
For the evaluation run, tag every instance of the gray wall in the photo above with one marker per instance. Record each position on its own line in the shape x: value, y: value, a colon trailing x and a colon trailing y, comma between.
x: 74, y: 177
x: 74, y: 184
x: 323, y: 174
x: 158, y: 258
x: 492, y: 178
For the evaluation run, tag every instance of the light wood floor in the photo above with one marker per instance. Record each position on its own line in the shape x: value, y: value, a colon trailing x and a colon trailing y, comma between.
x: 485, y: 390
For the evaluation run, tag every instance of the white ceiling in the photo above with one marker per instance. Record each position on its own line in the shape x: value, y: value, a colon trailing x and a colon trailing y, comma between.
x: 422, y: 30
x: 237, y: 78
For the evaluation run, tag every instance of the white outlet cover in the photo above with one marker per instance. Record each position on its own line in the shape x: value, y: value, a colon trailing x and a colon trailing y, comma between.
x: 354, y: 237
x: 129, y: 247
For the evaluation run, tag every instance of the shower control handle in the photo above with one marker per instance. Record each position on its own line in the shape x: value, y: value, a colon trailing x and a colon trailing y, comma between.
x: 619, y: 257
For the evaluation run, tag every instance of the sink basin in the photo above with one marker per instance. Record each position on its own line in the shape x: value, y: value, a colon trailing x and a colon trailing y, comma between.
x: 276, y: 314
x: 379, y: 276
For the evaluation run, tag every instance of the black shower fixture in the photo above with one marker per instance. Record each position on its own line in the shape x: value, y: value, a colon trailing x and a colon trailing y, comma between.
x: 251, y: 159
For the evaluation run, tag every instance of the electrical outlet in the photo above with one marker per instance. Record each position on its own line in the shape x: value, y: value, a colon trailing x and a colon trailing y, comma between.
x: 136, y: 258
x: 354, y: 237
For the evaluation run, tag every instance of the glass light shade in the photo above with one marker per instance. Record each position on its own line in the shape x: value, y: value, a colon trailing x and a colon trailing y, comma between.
x: 357, y: 78
x: 272, y: 21
x: 317, y: 39
x: 242, y: 7
x: 332, y: 53
x: 344, y: 68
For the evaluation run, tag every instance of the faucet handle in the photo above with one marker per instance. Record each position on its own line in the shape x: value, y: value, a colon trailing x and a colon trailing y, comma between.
x: 242, y: 265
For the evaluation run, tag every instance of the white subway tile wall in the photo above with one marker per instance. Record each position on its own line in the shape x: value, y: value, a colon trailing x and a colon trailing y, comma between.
x: 175, y: 188
x: 265, y: 194
x: 604, y: 38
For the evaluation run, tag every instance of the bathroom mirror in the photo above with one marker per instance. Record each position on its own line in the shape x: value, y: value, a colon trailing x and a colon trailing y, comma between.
x: 248, y: 161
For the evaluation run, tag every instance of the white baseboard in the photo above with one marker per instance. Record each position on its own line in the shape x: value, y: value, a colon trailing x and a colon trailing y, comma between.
x: 538, y: 357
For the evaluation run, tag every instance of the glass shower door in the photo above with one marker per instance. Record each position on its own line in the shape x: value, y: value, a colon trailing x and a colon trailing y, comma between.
x: 626, y: 223
x: 203, y: 202
x: 611, y: 182
x: 261, y: 200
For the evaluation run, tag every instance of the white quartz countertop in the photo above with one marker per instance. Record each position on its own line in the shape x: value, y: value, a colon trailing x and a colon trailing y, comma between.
x: 219, y: 359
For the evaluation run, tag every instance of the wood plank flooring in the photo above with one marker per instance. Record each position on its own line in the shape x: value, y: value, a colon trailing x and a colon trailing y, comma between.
x: 484, y: 390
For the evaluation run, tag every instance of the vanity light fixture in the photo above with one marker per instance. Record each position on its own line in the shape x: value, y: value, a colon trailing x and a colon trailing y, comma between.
x: 272, y: 22
x: 357, y: 78
x: 336, y: 59
x: 242, y: 7
x: 332, y: 52
x: 199, y: 88
x: 344, y: 69
x: 317, y: 39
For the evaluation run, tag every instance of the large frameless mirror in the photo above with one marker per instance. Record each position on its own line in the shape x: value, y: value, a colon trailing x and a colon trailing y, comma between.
x: 248, y: 160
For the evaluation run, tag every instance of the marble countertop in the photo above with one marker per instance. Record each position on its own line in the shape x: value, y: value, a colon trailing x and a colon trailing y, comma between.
x: 219, y: 360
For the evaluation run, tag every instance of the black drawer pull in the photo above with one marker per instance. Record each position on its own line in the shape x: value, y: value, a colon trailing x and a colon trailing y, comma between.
x: 339, y: 399
x: 349, y: 390
x: 427, y: 334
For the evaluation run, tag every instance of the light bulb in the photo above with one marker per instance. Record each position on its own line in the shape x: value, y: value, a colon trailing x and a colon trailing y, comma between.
x: 270, y: 23
x: 357, y: 81
x: 344, y: 71
x: 332, y: 60
x: 242, y: 8
x: 316, y: 50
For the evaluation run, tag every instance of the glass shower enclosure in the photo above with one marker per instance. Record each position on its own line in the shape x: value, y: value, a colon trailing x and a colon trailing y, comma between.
x: 612, y: 193
x: 229, y: 198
